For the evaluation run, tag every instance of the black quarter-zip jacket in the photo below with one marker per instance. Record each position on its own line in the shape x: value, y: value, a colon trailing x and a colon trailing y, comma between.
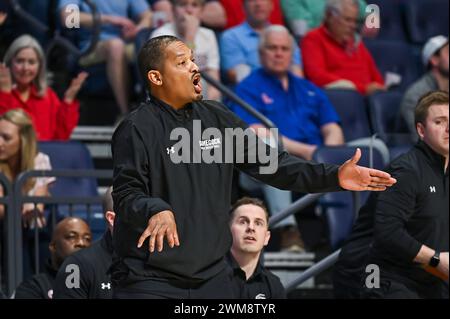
x: 146, y: 181
x: 413, y: 212
x: 394, y: 224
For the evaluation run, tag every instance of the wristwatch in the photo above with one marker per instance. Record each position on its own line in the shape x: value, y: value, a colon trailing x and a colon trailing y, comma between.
x: 434, y: 261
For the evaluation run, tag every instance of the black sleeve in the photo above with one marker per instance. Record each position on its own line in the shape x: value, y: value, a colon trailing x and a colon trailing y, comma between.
x: 393, y: 210
x: 131, y: 177
x: 29, y: 289
x: 62, y: 291
x: 281, y: 170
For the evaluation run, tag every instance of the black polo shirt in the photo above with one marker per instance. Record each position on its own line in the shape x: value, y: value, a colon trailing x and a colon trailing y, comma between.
x: 263, y: 284
x: 39, y: 286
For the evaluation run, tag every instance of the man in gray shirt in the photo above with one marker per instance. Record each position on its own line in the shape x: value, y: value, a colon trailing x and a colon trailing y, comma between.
x: 435, y: 58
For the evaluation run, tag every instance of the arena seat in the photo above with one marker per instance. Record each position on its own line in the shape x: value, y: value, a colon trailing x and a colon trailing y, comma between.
x: 426, y: 18
x: 351, y: 108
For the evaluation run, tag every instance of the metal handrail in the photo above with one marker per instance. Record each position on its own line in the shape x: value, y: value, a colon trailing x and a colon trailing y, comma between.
x: 294, y: 208
x: 312, y: 271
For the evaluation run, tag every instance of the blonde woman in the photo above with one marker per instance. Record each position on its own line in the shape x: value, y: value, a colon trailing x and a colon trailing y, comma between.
x: 23, y: 85
x: 18, y: 153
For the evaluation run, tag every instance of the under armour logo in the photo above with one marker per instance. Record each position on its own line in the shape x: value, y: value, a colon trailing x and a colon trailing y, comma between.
x: 170, y: 150
x: 260, y: 296
x: 432, y: 189
x: 106, y: 286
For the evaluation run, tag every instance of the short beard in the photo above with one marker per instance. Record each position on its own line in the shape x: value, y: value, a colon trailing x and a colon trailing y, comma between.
x: 198, y: 97
x: 443, y: 72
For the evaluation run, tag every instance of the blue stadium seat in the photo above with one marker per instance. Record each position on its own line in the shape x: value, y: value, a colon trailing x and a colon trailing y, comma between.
x: 351, y: 108
x: 338, y: 206
x: 392, y: 25
x: 395, y: 57
x: 74, y: 155
x: 386, y: 120
x: 426, y: 18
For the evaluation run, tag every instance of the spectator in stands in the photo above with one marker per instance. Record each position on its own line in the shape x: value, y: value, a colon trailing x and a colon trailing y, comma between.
x: 304, y: 15
x: 236, y: 15
x: 275, y: 92
x: 121, y: 21
x: 93, y: 263
x: 405, y: 231
x: 435, y: 58
x: 334, y: 55
x: 249, y: 224
x: 212, y: 16
x: 70, y: 235
x: 239, y: 45
x: 155, y: 194
x: 23, y: 84
x: 201, y: 40
x: 18, y: 153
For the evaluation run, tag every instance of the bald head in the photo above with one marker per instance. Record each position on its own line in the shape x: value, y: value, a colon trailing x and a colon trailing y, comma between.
x: 70, y: 235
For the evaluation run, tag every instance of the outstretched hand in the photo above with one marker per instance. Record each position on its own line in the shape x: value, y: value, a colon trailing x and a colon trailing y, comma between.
x: 353, y: 177
x: 159, y: 226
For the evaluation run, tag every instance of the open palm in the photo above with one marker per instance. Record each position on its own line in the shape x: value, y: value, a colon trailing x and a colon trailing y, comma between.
x: 359, y: 178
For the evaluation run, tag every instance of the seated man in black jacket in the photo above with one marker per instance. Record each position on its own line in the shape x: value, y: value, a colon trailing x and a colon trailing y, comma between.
x: 93, y: 263
x: 249, y: 223
x: 173, y: 160
x: 399, y: 244
x: 70, y: 235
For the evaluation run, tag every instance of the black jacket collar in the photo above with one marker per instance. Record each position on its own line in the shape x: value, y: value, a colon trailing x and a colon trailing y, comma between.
x: 437, y: 160
x: 181, y: 115
x: 259, y: 271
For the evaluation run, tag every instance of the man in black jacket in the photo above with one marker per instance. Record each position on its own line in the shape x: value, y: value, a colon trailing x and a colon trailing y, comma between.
x: 399, y: 244
x: 173, y: 163
x: 93, y: 264
x: 249, y: 224
x: 70, y: 235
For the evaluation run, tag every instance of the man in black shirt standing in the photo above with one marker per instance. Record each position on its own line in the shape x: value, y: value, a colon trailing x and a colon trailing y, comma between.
x: 93, y: 264
x: 70, y: 235
x: 249, y: 224
x: 399, y: 244
x: 173, y: 161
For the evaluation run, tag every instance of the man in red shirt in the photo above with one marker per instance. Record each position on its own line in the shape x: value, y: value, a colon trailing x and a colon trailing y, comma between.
x: 235, y: 12
x: 334, y: 55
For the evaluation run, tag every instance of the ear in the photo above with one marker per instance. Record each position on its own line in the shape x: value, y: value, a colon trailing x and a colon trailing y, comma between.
x: 267, y: 238
x: 434, y: 60
x: 420, y: 130
x: 52, y: 247
x: 110, y: 216
x: 155, y: 77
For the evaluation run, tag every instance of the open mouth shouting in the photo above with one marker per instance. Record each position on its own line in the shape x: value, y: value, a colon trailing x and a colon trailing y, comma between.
x: 196, y: 80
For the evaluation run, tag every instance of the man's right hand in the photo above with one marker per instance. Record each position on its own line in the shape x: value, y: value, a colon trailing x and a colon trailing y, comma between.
x: 5, y: 79
x: 159, y: 226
